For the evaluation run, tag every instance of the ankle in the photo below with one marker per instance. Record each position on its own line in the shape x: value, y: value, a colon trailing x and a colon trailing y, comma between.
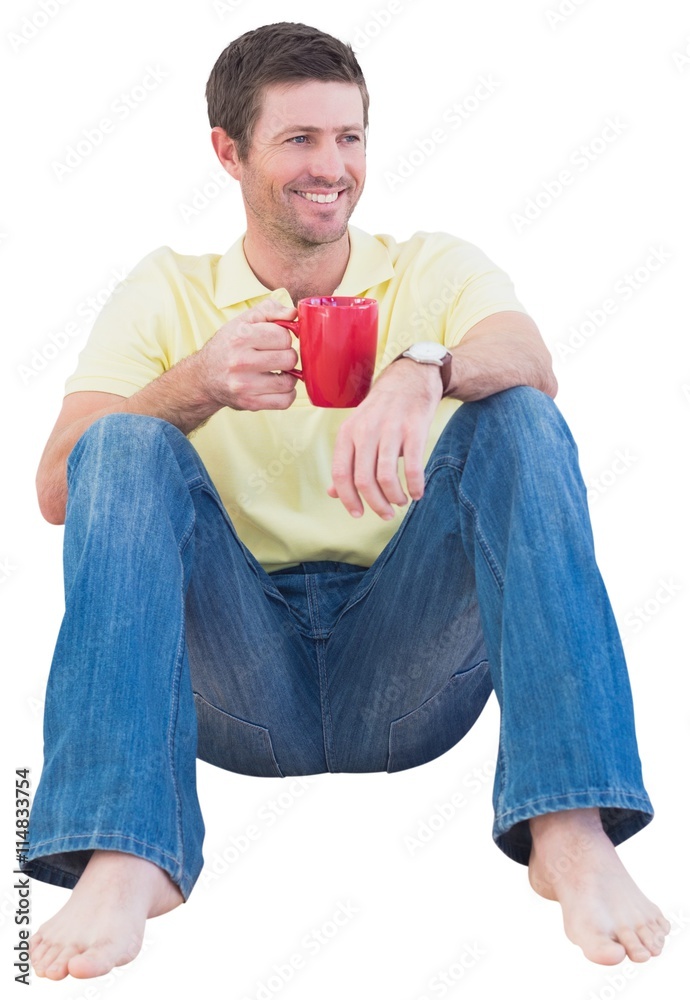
x: 569, y: 823
x: 577, y: 828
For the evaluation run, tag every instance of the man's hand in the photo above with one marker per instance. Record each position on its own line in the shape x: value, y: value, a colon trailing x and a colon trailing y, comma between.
x: 503, y: 350
x: 241, y: 361
x: 393, y: 420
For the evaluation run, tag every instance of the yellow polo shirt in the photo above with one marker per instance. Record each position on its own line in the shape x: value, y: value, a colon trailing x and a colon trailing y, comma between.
x: 272, y: 467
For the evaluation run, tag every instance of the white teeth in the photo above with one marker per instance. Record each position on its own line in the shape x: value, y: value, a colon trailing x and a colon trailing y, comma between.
x: 321, y: 198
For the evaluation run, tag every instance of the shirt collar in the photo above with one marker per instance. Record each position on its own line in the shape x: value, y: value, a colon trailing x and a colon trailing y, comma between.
x: 368, y: 265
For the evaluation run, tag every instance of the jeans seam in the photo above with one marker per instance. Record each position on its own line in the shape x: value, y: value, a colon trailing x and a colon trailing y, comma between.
x: 90, y: 836
x: 494, y: 568
x: 484, y: 546
x: 582, y: 791
x: 177, y: 669
x: 172, y: 729
x: 326, y: 718
x: 501, y: 761
x: 311, y: 588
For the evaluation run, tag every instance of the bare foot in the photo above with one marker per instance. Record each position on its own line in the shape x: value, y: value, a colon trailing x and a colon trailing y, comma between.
x: 574, y: 862
x: 102, y: 923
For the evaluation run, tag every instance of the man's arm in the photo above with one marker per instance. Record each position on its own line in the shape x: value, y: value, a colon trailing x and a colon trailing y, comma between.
x: 497, y: 353
x: 235, y: 368
x: 501, y: 351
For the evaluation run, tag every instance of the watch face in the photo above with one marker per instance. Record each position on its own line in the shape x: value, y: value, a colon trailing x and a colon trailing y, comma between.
x: 428, y: 350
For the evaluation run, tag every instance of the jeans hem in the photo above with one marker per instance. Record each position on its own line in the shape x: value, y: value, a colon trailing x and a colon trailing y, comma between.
x: 47, y: 867
x: 623, y: 814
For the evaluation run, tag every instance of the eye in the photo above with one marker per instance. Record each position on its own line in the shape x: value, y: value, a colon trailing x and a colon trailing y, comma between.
x: 296, y: 139
x: 351, y: 139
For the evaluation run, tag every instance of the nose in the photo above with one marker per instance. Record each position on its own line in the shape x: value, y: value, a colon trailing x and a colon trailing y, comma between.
x: 326, y: 161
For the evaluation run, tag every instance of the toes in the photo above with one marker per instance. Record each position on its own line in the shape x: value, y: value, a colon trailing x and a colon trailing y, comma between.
x: 634, y: 946
x: 56, y: 971
x: 56, y: 961
x: 59, y: 966
x: 37, y: 949
x: 47, y: 956
x: 90, y: 963
x: 604, y: 950
x: 658, y: 921
x: 651, y: 937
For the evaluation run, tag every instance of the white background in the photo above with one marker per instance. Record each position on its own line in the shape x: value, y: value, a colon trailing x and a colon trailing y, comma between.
x: 624, y: 390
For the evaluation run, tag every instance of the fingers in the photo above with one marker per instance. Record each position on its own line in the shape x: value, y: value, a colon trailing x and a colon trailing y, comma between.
x: 257, y: 327
x: 273, y: 392
x: 242, y: 359
x: 365, y: 466
x: 269, y: 309
x: 259, y: 358
x: 353, y: 472
x: 273, y: 341
x: 263, y: 336
x: 380, y: 482
x: 342, y: 472
x: 413, y: 455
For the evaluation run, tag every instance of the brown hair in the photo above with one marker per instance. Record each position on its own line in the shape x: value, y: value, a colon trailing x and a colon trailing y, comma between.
x: 274, y: 53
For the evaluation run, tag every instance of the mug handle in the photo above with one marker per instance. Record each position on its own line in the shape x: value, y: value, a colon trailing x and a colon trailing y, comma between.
x: 291, y: 324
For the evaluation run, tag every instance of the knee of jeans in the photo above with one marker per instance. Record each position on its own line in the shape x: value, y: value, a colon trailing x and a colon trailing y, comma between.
x: 129, y: 424
x: 524, y: 399
x: 523, y: 420
x: 525, y: 413
x: 118, y: 433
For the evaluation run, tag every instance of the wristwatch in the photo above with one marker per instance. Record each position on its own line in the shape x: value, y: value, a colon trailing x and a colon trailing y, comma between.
x: 430, y: 352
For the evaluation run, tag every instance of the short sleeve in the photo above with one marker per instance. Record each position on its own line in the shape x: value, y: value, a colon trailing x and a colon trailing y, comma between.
x: 453, y: 285
x: 483, y: 289
x: 127, y: 346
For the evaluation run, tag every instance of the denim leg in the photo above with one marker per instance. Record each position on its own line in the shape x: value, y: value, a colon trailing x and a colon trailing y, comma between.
x: 152, y: 566
x: 567, y: 738
x: 119, y: 733
x: 496, y: 559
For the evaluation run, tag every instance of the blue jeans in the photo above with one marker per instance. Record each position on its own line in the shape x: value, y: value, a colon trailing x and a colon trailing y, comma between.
x: 176, y: 644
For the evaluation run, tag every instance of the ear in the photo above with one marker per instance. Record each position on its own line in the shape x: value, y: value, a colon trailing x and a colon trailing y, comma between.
x: 226, y: 151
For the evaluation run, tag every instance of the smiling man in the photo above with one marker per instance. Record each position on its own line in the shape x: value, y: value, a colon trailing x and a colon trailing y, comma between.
x: 265, y: 597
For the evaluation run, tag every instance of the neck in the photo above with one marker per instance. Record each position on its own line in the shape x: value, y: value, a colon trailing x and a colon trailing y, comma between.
x: 305, y: 271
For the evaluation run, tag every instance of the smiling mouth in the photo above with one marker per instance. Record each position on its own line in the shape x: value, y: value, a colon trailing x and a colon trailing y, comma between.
x: 321, y: 199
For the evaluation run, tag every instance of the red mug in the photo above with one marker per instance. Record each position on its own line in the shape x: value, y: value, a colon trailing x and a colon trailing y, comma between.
x: 338, y: 337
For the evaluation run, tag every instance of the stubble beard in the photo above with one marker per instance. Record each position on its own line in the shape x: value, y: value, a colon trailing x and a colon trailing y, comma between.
x: 288, y: 231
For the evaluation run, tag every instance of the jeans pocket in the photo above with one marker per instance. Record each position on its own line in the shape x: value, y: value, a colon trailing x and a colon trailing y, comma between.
x: 441, y: 721
x: 233, y: 744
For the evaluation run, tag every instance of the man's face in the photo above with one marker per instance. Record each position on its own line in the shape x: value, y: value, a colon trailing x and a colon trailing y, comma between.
x: 305, y: 170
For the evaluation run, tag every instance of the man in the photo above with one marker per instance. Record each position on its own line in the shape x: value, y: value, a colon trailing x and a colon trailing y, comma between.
x: 257, y: 600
